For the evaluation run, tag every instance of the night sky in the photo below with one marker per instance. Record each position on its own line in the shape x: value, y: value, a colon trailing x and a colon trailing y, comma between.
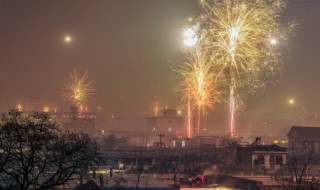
x: 130, y: 47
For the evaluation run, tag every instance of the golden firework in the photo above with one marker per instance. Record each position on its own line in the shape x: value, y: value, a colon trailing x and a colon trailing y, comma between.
x: 79, y: 88
x: 197, y: 83
x: 241, y: 36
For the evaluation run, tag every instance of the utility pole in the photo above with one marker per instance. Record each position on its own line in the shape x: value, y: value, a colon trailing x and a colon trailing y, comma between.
x: 161, y: 136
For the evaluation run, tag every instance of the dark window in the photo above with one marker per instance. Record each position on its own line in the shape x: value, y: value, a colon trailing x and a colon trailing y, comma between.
x: 260, y: 160
x: 279, y: 160
x: 272, y: 161
x: 240, y: 159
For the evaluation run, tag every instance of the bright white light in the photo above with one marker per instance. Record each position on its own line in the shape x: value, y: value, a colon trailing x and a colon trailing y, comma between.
x: 67, y: 39
x: 291, y: 101
x: 233, y: 35
x: 190, y: 38
x: 234, y: 32
x: 273, y: 41
x: 189, y: 33
x: 190, y: 41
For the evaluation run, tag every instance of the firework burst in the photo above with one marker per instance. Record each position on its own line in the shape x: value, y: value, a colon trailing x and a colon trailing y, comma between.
x: 197, y: 85
x: 79, y: 88
x: 241, y: 36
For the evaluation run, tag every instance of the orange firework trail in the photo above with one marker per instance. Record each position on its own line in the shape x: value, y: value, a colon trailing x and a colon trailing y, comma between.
x: 79, y: 88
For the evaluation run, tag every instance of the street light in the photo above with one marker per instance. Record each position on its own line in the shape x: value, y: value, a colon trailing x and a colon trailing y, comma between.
x: 291, y: 101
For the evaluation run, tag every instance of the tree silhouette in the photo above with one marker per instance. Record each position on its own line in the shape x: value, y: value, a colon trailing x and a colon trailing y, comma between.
x: 296, y: 174
x: 36, y: 155
x: 111, y: 142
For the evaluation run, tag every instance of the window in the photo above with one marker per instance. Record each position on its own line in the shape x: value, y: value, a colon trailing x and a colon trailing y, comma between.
x: 260, y: 160
x: 271, y: 160
x: 279, y: 160
x: 183, y: 143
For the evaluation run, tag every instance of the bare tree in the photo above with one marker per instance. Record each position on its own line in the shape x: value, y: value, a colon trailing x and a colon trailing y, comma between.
x: 227, y: 150
x: 117, y: 181
x: 111, y: 142
x: 36, y: 155
x: 296, y: 173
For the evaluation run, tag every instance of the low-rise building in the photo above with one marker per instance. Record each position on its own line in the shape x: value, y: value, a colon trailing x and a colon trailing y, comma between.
x: 266, y: 157
x: 304, y: 138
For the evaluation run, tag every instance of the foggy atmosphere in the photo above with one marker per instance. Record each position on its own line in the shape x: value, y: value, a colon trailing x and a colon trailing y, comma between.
x: 171, y: 94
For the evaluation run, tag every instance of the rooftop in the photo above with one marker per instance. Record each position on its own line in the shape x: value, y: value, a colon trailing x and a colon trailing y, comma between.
x: 304, y: 132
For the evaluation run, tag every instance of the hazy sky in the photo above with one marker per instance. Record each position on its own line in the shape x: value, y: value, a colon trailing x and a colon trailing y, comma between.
x: 129, y: 48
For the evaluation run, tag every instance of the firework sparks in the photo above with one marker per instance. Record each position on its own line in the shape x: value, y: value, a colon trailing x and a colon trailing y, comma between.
x: 156, y: 103
x: 240, y: 36
x: 189, y: 117
x: 79, y: 88
x: 156, y: 108
x: 197, y: 85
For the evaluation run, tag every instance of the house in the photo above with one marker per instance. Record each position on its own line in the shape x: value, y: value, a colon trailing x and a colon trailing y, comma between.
x: 253, y: 157
x: 304, y: 138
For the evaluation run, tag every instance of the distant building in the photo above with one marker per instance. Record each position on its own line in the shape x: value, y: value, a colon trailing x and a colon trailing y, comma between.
x: 170, y: 122
x: 76, y: 121
x: 304, y: 138
x: 170, y: 125
x: 146, y: 131
x: 196, y: 142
